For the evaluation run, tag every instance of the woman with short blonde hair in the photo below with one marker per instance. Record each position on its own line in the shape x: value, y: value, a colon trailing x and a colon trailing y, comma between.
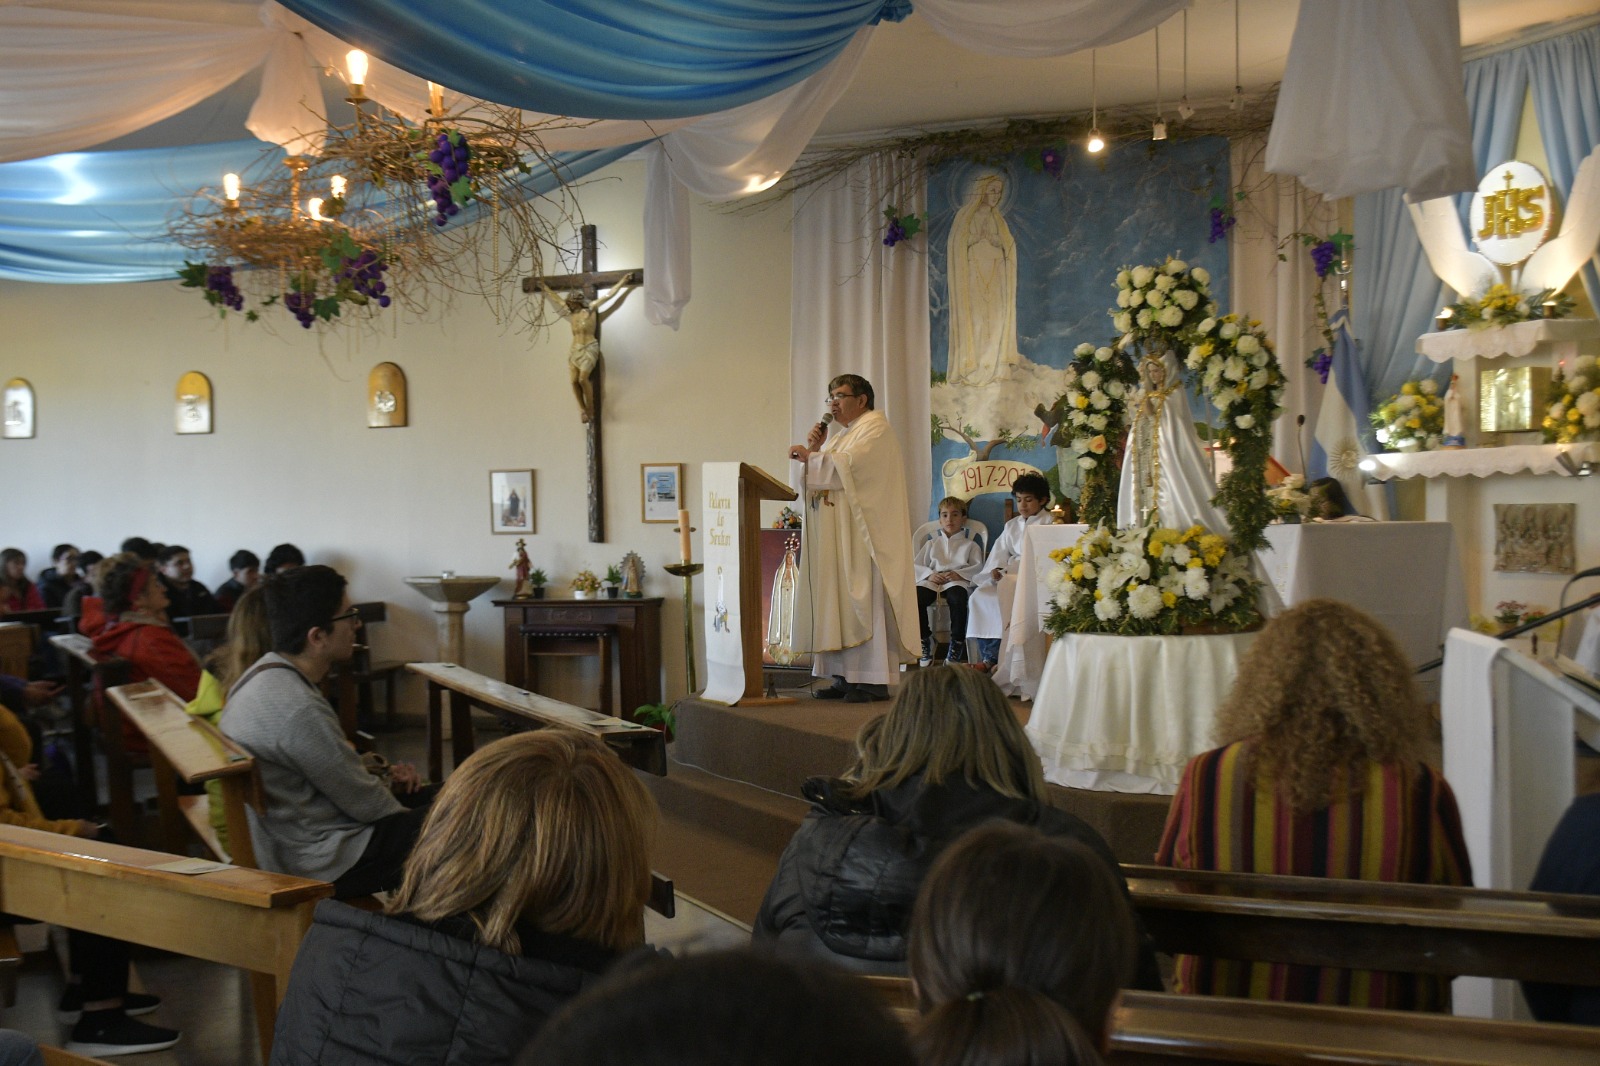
x: 529, y: 879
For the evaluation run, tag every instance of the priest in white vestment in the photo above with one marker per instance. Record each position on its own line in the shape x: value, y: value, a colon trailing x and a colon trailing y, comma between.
x: 855, y: 608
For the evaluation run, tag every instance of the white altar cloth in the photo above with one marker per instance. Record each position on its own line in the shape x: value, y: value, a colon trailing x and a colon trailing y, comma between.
x: 1126, y: 714
x: 1022, y: 657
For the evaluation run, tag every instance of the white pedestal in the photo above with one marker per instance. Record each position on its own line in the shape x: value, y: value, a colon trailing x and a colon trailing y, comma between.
x: 451, y: 629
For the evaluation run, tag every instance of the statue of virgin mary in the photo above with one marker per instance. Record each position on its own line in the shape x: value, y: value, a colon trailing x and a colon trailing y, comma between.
x: 982, y: 271
x: 1165, y: 475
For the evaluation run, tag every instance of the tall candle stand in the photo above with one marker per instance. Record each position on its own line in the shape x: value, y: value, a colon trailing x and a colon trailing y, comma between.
x: 686, y: 570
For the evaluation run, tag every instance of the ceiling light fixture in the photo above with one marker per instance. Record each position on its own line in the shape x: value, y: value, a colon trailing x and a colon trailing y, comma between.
x: 1096, y: 142
x: 1185, y: 112
x: 1158, y: 131
x: 1237, y: 103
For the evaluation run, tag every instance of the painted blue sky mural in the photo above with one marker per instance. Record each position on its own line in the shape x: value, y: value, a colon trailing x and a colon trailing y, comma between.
x: 1138, y: 203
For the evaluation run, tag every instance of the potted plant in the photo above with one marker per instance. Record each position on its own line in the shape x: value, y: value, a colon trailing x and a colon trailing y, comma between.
x: 537, y: 580
x: 613, y: 579
x: 658, y: 716
x: 585, y: 585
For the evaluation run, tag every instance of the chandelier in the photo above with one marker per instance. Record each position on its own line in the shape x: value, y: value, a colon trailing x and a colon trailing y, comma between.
x: 387, y: 211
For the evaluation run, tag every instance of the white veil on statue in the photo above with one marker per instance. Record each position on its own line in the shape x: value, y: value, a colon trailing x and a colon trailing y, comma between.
x: 1165, y: 470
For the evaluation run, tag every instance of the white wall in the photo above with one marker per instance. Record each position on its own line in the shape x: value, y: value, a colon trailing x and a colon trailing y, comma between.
x: 292, y: 458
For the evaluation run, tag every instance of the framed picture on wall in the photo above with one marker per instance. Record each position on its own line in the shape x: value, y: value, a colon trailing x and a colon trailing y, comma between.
x: 660, y: 487
x: 511, y: 501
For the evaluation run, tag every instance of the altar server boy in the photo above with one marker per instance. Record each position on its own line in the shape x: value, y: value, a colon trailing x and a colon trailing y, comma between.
x: 990, y: 612
x: 947, y: 562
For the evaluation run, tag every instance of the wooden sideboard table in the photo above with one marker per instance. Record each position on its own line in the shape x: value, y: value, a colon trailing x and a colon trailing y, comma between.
x: 632, y: 626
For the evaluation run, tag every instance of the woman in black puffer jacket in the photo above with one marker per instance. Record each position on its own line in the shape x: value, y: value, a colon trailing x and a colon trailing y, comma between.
x: 948, y: 756
x: 529, y: 879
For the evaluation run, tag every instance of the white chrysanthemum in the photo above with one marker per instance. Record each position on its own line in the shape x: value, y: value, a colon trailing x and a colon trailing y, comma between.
x: 1405, y: 401
x: 1122, y: 322
x: 1144, y: 601
x: 1067, y: 594
x: 1213, y: 374
x: 1097, y: 422
x: 1135, y: 299
x: 1196, y: 585
x: 1248, y: 344
x: 1187, y: 299
x: 1578, y: 383
x: 1201, y: 274
x: 1589, y: 403
x: 1197, y: 356
x: 1157, y: 298
x: 1429, y: 387
x: 1125, y: 297
x: 1176, y: 266
x: 1181, y: 554
x: 1228, y: 330
x: 1259, y: 359
x: 1223, y: 399
x: 1166, y: 282
x: 1207, y: 326
x: 1558, y: 409
x: 1080, y: 444
x: 1142, y: 275
x: 1584, y: 363
x: 1245, y: 421
x: 1115, y: 389
x: 1170, y: 315
x: 1260, y: 380
x: 1234, y: 368
x: 1102, y: 354
x: 1143, y: 318
x: 1108, y: 609
x: 1091, y: 378
x: 1083, y: 349
x: 1122, y: 279
x: 1086, y: 462
x: 1099, y: 400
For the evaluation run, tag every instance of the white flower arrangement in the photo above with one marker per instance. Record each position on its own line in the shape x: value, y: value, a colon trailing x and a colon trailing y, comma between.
x: 1150, y: 580
x: 1574, y: 411
x: 1412, y: 419
x: 1167, y: 299
x: 1290, y: 499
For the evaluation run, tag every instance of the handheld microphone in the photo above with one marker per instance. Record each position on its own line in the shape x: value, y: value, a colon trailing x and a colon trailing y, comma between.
x: 1300, y: 441
x: 827, y: 417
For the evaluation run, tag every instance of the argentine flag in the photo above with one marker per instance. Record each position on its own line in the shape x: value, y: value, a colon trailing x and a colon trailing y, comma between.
x: 1338, y: 447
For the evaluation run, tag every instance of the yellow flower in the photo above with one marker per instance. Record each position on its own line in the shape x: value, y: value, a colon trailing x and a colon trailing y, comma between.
x: 1060, y: 555
x: 1409, y: 388
x: 1573, y: 415
x: 1414, y: 423
x: 1077, y: 572
x: 1192, y: 532
x: 1169, y: 598
x: 1099, y: 595
x: 1195, y: 562
x: 1080, y: 401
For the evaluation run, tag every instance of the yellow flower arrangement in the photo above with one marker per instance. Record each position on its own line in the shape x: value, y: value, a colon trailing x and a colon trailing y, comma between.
x: 1412, y: 419
x: 1574, y: 411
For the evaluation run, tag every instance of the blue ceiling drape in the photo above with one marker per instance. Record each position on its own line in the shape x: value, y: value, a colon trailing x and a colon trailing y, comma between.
x: 630, y: 59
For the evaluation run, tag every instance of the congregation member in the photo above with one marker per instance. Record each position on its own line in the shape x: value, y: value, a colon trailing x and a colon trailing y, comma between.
x: 1320, y: 774
x: 142, y: 547
x: 1032, y: 980
x: 727, y: 1007
x: 83, y: 588
x: 17, y: 593
x: 946, y: 563
x: 528, y: 882
x: 854, y: 611
x: 134, y: 601
x: 248, y: 638
x: 324, y: 815
x: 187, y: 597
x: 96, y: 1000
x: 244, y: 567
x: 283, y: 557
x: 949, y: 755
x: 990, y: 614
x: 1570, y: 863
x: 58, y: 579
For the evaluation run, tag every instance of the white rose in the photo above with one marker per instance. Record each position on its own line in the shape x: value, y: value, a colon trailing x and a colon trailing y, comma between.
x: 1124, y: 297
x: 1430, y: 387
x: 1165, y: 282
x: 1156, y: 298
x: 1102, y: 355
x: 1223, y: 399
x: 1108, y: 609
x: 1196, y: 357
x: 1248, y: 344
x: 1142, y: 276
x: 1135, y: 299
x: 1080, y: 444
x: 1228, y: 331
x: 1187, y: 299
x: 1091, y: 378
x: 1176, y: 266
x: 1143, y: 319
x: 1260, y: 380
x: 1099, y: 400
x: 1234, y: 368
x: 1201, y: 275
x: 1144, y: 601
x: 1259, y: 359
x: 1207, y: 326
x: 1171, y: 316
x: 1083, y: 350
x: 1097, y: 422
x: 1115, y: 389
x: 1122, y: 279
x: 1086, y: 462
x: 1122, y: 322
x: 1245, y: 421
x: 1213, y: 374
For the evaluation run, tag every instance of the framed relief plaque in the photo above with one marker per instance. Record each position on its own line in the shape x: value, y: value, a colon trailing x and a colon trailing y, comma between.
x: 193, y: 411
x: 17, y: 403
x: 386, y: 397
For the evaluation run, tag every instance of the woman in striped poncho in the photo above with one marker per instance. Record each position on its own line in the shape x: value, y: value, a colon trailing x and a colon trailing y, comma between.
x: 1321, y: 774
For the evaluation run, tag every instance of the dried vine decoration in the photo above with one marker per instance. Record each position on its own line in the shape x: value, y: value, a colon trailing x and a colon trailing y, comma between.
x: 389, y: 216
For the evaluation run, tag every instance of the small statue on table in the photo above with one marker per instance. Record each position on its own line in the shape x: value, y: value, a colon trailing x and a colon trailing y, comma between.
x: 632, y: 576
x: 521, y: 564
x: 1454, y: 424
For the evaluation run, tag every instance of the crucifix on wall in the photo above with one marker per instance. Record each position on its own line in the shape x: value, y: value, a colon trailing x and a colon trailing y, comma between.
x: 577, y: 299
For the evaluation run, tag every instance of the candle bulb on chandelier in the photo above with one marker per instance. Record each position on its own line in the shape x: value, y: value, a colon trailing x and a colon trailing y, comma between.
x: 435, y: 100
x: 336, y: 186
x: 683, y: 534
x: 314, y: 209
x: 355, y: 62
x: 230, y: 190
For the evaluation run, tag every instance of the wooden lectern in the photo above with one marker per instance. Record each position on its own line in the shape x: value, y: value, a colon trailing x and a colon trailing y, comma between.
x: 755, y: 485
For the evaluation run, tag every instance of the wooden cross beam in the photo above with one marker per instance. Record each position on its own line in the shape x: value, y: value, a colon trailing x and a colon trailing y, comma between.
x: 585, y: 309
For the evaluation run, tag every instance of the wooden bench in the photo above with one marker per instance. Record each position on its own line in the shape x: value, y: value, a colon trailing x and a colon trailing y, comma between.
x: 1157, y: 1028
x: 639, y: 746
x: 1524, y: 936
x: 54, y: 1056
x: 185, y: 746
x: 238, y: 917
x: 88, y: 675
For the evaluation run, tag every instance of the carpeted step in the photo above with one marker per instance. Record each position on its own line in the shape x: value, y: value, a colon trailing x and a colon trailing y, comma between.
x: 713, y: 868
x: 773, y: 746
x: 744, y: 814
x: 1131, y: 824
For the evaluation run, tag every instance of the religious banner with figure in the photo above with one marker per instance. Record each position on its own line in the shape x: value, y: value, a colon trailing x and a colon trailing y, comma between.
x: 1021, y: 253
x: 719, y: 523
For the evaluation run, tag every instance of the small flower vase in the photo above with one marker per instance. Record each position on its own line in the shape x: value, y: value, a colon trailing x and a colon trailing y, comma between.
x: 580, y: 594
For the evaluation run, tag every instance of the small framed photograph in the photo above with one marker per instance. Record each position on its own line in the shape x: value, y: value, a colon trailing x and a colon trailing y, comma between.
x: 660, y: 490
x: 511, y: 501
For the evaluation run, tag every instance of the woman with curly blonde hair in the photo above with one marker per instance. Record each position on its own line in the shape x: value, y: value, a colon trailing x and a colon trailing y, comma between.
x: 1321, y: 774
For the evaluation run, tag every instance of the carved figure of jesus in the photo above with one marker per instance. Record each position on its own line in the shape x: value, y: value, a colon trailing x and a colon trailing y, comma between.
x: 584, y: 319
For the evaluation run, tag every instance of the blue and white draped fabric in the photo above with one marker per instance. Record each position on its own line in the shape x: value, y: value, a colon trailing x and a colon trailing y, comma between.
x: 1343, y: 437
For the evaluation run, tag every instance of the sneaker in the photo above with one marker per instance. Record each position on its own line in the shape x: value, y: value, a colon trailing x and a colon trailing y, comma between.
x: 956, y: 653
x: 111, y: 1032
x: 70, y: 1007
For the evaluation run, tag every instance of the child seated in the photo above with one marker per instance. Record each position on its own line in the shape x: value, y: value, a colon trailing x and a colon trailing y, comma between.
x: 947, y: 562
x: 990, y: 607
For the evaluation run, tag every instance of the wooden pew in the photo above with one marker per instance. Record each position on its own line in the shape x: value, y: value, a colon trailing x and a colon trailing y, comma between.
x: 88, y: 675
x: 186, y: 746
x: 54, y: 1056
x: 639, y: 746
x: 1372, y: 925
x: 1157, y: 1029
x: 246, y: 918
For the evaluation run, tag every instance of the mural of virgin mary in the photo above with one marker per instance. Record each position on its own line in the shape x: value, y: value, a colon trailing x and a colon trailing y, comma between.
x: 982, y: 270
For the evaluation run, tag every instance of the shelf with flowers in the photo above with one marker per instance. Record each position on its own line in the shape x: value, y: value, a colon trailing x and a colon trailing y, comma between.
x: 1412, y: 419
x: 1151, y: 581
x: 1574, y: 399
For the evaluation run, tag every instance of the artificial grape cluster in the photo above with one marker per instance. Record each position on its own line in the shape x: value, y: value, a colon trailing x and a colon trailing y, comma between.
x: 219, y: 280
x: 453, y: 157
x: 895, y: 233
x: 1221, y: 223
x: 300, y: 304
x: 365, y: 275
x: 1322, y: 257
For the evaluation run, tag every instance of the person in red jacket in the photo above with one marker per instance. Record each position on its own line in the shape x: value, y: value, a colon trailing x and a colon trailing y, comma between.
x: 136, y: 629
x: 17, y: 593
